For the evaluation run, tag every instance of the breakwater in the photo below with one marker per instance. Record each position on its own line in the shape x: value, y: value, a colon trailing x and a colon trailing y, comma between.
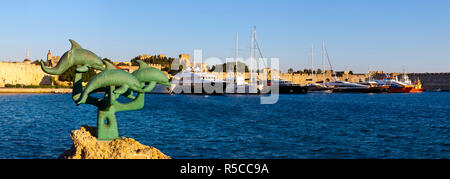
x: 432, y: 81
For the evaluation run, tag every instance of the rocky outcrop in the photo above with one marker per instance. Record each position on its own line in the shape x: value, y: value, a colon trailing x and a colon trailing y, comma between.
x: 86, y: 146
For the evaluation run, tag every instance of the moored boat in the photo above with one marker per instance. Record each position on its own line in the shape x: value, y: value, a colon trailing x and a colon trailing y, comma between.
x: 314, y: 87
x: 284, y: 87
x: 347, y: 87
x: 193, y: 81
x: 405, y: 86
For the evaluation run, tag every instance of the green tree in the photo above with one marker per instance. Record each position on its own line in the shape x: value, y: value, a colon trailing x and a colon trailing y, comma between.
x: 307, y: 71
x: 239, y: 67
x: 319, y: 71
x: 69, y: 75
x: 290, y: 71
x: 165, y: 62
x: 36, y: 62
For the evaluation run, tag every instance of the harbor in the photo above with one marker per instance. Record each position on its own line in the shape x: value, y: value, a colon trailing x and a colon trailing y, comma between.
x: 316, y: 125
x: 236, y: 84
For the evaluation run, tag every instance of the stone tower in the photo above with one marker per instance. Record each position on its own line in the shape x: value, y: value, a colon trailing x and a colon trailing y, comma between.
x: 27, y: 60
x: 28, y: 55
x: 49, y: 57
x: 52, y: 61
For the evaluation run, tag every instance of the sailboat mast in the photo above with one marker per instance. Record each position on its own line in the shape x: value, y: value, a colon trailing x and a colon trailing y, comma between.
x: 404, y: 73
x: 254, y: 49
x: 237, y: 46
x: 323, y: 62
x: 329, y: 62
x: 251, y: 59
x: 237, y: 52
x: 312, y: 63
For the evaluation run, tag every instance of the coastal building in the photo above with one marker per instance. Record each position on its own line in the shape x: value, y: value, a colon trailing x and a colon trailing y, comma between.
x: 144, y: 56
x: 161, y: 56
x: 203, y: 67
x: 184, y: 60
x: 52, y: 61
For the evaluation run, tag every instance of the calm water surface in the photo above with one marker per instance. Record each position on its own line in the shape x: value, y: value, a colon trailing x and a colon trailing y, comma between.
x: 298, y: 126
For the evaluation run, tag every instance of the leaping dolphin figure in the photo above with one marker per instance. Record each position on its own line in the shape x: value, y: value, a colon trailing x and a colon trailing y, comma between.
x: 147, y: 74
x: 75, y: 56
x: 111, y: 77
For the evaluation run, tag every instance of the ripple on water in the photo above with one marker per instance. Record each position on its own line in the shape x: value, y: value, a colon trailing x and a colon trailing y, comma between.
x: 298, y: 126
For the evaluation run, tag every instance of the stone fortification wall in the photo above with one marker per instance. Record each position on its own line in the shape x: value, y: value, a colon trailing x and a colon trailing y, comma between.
x: 432, y: 81
x: 22, y: 73
x: 26, y: 73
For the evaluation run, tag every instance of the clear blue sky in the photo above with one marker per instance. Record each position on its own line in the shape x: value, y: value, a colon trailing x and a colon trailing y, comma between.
x: 385, y: 34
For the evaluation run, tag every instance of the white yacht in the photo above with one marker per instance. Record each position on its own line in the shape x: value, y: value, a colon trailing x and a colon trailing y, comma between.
x: 194, y: 81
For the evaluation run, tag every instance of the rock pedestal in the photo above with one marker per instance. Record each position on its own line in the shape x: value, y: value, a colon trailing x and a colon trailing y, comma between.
x: 86, y: 146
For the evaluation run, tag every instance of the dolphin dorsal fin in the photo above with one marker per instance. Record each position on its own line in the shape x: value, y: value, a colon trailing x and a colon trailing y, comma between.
x: 74, y: 44
x: 108, y: 66
x: 142, y: 64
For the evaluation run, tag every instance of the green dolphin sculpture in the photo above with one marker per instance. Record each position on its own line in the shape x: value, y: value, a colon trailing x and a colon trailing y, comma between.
x: 111, y: 77
x: 147, y: 74
x: 75, y: 56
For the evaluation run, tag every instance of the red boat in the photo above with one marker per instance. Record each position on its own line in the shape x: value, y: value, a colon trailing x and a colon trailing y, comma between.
x: 417, y: 87
x: 405, y: 86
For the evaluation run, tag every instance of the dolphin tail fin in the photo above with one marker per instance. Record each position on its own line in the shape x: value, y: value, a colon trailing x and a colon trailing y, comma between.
x: 167, y: 83
x: 108, y: 66
x: 121, y: 90
x: 142, y: 64
x: 129, y: 94
x: 83, y: 69
x: 82, y: 100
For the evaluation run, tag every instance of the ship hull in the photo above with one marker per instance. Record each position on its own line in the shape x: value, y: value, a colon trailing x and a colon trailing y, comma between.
x: 319, y: 89
x: 361, y: 90
x: 414, y: 90
x: 200, y: 89
x: 400, y: 90
x: 293, y: 90
x: 288, y: 89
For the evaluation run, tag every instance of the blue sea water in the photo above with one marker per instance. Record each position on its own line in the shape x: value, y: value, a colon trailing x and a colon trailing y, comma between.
x: 190, y: 126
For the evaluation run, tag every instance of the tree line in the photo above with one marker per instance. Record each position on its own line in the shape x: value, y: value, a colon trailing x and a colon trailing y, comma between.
x: 239, y: 67
x: 310, y: 71
x: 305, y: 71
